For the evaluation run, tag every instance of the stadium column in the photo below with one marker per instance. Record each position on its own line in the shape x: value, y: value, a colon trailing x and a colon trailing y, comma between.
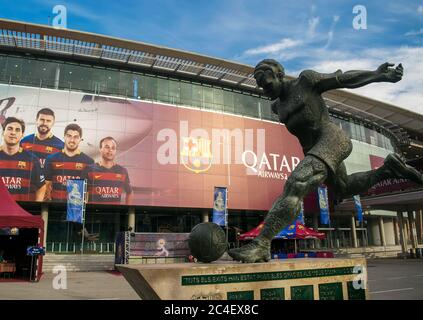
x: 402, y: 234
x: 353, y: 232
x: 44, y: 216
x: 131, y: 218
x: 316, y: 227
x: 412, y: 227
x: 406, y: 232
x: 419, y: 225
x: 396, y: 231
x: 382, y: 232
x: 205, y: 216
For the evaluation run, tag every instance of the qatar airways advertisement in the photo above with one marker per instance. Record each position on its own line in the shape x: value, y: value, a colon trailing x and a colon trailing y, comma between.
x: 139, y: 153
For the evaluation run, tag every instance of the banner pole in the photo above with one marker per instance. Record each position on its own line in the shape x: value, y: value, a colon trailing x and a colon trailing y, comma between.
x: 83, y: 229
x: 83, y: 216
x: 227, y: 219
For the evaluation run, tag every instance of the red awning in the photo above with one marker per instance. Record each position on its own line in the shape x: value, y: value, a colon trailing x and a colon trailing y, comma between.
x: 12, y: 215
x: 297, y: 231
x: 250, y: 235
x: 302, y: 232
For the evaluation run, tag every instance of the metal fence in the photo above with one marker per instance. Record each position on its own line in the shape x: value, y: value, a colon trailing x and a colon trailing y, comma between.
x: 75, y: 247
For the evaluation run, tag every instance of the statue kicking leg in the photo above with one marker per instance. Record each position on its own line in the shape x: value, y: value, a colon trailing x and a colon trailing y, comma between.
x: 307, y: 176
x: 360, y: 182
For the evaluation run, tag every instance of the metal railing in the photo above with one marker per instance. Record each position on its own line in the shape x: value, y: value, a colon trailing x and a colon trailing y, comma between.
x: 101, y: 52
x: 75, y: 247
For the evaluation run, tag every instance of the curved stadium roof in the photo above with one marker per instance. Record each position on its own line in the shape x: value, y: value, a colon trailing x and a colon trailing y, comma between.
x: 77, y: 45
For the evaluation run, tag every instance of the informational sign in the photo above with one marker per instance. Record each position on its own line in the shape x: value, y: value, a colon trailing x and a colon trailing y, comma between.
x: 35, y: 251
x: 159, y: 245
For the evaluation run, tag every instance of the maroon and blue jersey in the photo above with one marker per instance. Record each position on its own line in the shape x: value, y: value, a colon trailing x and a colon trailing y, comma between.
x: 59, y: 167
x: 21, y: 173
x: 106, y: 185
x: 42, y: 148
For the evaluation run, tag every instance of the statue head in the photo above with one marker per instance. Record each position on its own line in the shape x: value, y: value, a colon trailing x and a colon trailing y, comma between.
x: 269, y: 75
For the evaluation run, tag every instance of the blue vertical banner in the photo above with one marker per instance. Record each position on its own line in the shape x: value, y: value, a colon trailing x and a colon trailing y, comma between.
x: 75, y: 200
x: 357, y: 203
x: 301, y: 215
x: 219, y: 206
x: 324, y: 205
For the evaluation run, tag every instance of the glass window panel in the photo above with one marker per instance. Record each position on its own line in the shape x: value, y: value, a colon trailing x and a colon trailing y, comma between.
x: 49, y: 71
x: 228, y: 101
x: 30, y: 72
x: 197, y: 96
x: 148, y: 88
x: 80, y: 79
x: 126, y: 84
x: 362, y: 133
x: 208, y: 97
x: 112, y: 82
x: 250, y: 106
x: 238, y: 103
x: 186, y: 93
x: 218, y: 99
x: 14, y: 69
x: 3, y: 64
x: 352, y: 130
x: 163, y: 90
x: 174, y: 92
x: 265, y: 109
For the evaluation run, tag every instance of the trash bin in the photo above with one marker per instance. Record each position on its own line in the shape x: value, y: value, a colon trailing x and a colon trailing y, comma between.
x: 419, y: 253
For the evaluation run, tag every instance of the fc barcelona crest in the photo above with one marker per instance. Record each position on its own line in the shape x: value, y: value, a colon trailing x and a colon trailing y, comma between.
x: 21, y: 164
x: 79, y: 166
x: 196, y: 154
x: 49, y: 149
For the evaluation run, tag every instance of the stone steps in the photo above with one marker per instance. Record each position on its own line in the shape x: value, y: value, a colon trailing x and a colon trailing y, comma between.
x: 77, y: 262
x: 369, y: 252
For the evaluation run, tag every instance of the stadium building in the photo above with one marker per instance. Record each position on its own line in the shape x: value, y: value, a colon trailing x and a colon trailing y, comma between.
x: 185, y: 123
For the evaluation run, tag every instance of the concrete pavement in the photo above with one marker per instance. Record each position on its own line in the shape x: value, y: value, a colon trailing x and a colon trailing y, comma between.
x: 80, y: 286
x: 395, y: 279
x: 389, y: 279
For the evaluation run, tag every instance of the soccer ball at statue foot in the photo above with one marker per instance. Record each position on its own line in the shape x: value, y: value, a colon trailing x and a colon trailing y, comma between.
x: 207, y: 242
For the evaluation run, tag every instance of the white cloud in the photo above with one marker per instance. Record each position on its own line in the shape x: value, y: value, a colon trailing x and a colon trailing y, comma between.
x: 312, y: 25
x: 331, y: 31
x: 274, y: 48
x: 406, y: 93
x: 414, y: 33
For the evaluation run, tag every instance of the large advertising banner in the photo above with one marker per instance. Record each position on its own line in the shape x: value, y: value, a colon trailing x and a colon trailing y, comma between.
x: 143, y: 153
x: 393, y: 184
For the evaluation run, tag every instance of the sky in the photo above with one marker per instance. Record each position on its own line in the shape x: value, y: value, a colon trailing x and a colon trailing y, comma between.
x: 321, y: 35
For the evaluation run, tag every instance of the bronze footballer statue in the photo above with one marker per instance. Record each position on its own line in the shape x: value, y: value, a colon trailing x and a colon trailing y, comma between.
x: 300, y: 106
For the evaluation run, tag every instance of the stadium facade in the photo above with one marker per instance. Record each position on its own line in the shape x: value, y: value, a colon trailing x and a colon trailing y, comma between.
x: 185, y: 123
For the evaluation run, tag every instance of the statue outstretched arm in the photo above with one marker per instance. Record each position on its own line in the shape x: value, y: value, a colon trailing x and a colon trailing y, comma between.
x: 357, y: 78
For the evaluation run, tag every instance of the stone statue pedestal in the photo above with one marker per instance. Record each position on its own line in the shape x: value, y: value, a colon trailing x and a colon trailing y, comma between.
x: 291, y: 279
